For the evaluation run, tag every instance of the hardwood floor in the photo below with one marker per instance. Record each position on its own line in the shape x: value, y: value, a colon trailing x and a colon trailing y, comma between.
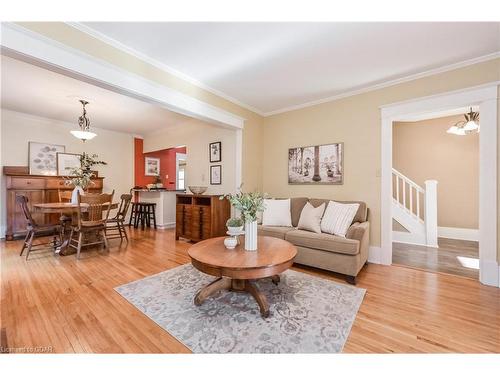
x: 70, y: 305
x: 448, y: 258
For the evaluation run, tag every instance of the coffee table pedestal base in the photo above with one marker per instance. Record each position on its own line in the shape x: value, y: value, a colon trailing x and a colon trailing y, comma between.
x: 236, y: 285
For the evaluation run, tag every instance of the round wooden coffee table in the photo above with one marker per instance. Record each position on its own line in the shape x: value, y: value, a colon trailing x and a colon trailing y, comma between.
x: 237, y: 269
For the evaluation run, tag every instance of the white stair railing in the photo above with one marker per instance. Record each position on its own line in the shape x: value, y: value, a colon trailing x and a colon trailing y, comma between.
x: 409, y: 200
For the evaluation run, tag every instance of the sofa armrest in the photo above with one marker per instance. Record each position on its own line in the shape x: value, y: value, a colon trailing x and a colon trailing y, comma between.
x: 361, y: 233
x: 357, y: 230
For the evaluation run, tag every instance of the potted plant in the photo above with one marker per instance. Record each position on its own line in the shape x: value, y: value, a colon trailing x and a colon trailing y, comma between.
x: 81, y: 177
x: 88, y: 161
x: 249, y: 205
x: 234, y: 225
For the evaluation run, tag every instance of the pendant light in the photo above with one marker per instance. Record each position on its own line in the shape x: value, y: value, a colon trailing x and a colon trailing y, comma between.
x: 470, y: 125
x: 83, y: 121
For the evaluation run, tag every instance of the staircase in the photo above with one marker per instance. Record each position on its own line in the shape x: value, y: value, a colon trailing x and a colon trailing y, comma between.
x: 415, y: 209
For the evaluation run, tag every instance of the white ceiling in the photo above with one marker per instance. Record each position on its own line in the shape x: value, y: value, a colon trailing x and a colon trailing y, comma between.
x: 273, y: 66
x: 37, y: 91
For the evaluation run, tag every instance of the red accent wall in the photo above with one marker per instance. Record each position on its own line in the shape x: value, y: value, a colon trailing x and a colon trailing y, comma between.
x: 167, y: 164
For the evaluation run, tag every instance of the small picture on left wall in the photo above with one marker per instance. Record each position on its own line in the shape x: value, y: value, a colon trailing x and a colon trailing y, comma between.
x: 42, y: 158
x: 215, y: 174
x: 152, y: 166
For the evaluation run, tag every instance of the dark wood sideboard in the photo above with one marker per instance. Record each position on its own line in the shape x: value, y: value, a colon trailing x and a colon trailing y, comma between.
x: 199, y: 217
x: 38, y: 189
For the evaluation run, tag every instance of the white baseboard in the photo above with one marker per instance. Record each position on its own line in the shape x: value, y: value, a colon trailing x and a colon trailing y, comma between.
x: 374, y: 254
x: 3, y: 229
x: 489, y: 272
x: 165, y: 226
x: 459, y: 233
x: 409, y: 238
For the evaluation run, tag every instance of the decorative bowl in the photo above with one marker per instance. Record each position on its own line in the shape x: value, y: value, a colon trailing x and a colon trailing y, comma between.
x: 198, y: 189
x: 235, y: 230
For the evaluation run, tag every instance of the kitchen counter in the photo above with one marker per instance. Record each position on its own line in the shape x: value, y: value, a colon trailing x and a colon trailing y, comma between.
x: 165, y: 205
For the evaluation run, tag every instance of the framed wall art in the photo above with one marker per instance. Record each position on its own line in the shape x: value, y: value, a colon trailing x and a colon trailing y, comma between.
x: 42, y: 158
x: 66, y: 161
x: 152, y: 166
x: 215, y: 150
x: 316, y: 165
x: 215, y: 174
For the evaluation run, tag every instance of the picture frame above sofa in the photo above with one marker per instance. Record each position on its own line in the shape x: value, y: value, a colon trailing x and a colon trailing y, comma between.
x: 316, y: 165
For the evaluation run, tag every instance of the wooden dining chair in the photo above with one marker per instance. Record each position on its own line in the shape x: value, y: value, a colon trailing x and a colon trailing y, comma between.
x: 92, y: 215
x: 64, y: 195
x: 115, y: 227
x: 36, y: 230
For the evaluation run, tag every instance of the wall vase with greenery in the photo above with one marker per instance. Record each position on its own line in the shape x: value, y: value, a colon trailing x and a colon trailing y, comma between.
x: 249, y: 205
x: 81, y: 177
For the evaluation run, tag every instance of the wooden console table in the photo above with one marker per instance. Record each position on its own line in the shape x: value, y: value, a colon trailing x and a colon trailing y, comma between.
x: 199, y: 217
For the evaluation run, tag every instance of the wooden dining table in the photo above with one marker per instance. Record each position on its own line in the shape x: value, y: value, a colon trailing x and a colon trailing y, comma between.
x: 65, y: 210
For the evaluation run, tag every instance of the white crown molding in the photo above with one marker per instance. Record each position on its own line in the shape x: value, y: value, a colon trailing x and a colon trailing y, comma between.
x: 385, y: 84
x: 120, y: 46
x: 141, y: 56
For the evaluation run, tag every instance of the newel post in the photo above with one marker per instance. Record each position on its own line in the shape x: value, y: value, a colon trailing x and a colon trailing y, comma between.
x: 431, y: 226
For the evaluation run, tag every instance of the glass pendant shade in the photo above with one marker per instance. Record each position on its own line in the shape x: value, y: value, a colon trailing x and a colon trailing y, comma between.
x: 83, y: 135
x: 456, y: 130
x: 469, y: 126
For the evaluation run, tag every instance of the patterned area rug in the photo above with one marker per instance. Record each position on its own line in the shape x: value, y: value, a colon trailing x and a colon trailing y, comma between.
x: 307, y: 314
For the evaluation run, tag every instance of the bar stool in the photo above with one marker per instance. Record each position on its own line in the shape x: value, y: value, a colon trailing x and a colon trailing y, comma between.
x: 142, y: 213
x: 146, y: 212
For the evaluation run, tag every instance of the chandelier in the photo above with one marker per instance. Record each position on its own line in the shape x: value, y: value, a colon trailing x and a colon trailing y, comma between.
x: 467, y: 126
x: 83, y: 121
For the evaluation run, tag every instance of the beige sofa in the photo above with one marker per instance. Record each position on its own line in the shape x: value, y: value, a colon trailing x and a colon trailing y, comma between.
x: 338, y: 254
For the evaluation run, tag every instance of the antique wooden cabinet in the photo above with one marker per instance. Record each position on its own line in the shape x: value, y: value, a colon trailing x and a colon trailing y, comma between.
x: 38, y: 189
x: 199, y: 217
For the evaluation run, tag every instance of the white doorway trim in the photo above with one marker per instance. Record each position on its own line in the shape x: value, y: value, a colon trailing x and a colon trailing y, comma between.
x: 486, y: 97
x: 179, y: 157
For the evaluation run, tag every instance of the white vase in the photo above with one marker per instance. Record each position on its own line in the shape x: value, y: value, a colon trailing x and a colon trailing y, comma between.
x: 251, y: 235
x: 74, y: 195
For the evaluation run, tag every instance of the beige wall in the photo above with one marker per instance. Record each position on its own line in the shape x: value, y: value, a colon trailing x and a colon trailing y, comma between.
x: 196, y: 136
x: 423, y: 150
x: 354, y: 120
x: 17, y: 129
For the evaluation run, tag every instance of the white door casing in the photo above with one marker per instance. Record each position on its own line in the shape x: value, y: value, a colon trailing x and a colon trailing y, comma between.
x: 486, y: 97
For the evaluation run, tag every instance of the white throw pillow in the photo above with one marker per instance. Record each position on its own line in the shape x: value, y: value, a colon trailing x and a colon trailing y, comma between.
x: 338, y: 217
x: 277, y: 213
x: 310, y: 218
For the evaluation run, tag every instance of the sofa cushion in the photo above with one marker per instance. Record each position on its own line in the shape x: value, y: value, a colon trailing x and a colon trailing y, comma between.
x: 361, y: 214
x: 277, y: 213
x: 278, y: 232
x: 323, y: 241
x: 310, y: 218
x: 296, y: 206
x: 338, y: 217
